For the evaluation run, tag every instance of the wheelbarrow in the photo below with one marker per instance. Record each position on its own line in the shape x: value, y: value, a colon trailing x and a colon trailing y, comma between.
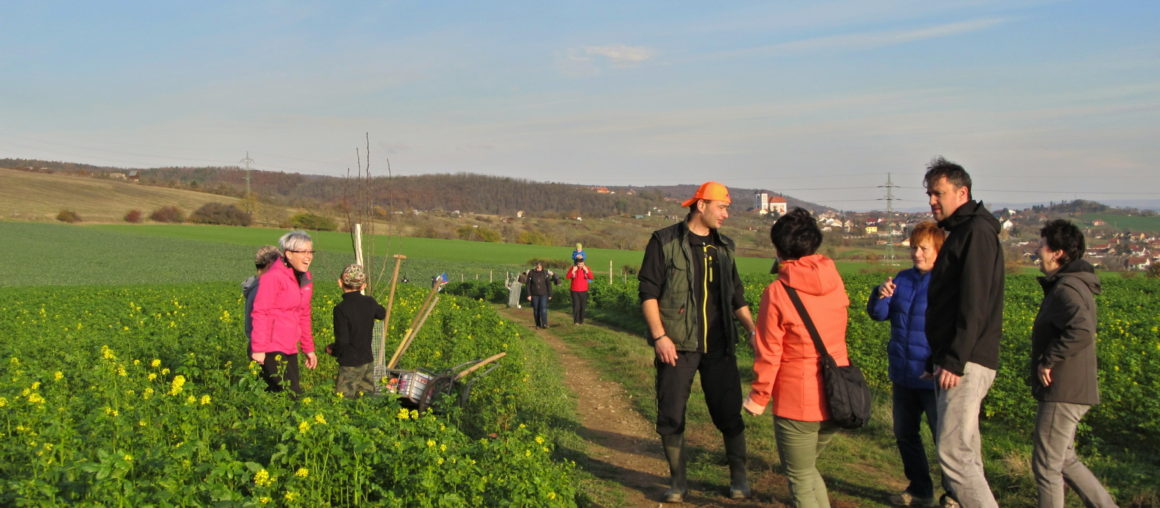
x: 422, y: 389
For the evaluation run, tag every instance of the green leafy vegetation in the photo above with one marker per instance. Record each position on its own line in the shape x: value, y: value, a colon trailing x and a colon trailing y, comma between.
x: 159, y: 374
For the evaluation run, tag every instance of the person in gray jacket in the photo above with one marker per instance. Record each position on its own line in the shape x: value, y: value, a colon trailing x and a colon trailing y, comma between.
x: 1063, y: 366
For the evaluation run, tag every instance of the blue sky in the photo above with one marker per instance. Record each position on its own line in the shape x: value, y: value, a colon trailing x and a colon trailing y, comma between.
x: 1039, y: 100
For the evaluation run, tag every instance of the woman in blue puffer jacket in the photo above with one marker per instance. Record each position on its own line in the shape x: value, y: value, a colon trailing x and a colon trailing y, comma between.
x: 902, y: 300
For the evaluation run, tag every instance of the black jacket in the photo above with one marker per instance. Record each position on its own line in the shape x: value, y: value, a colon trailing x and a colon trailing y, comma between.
x: 354, y: 323
x: 1063, y: 337
x: 964, y: 313
x: 540, y: 282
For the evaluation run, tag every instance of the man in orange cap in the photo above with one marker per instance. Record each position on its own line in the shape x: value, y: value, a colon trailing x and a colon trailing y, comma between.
x: 690, y: 293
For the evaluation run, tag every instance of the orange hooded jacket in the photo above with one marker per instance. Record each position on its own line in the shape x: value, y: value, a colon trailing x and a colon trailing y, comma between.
x: 787, y: 363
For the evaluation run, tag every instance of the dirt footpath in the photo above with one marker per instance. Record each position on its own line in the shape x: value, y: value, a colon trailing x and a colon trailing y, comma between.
x: 622, y: 446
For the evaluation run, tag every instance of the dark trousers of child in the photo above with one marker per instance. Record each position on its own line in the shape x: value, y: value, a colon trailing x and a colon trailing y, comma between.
x: 280, y: 369
x: 354, y: 382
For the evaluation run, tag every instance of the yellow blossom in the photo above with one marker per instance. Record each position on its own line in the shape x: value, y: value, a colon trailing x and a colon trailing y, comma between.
x: 147, y: 393
x: 302, y: 472
x: 165, y: 371
x: 442, y: 447
x: 307, y: 400
x: 190, y: 400
x: 3, y: 401
x: 35, y: 385
x: 262, y: 478
x: 264, y: 500
x: 35, y: 398
x: 58, y: 375
x: 121, y: 371
x: 403, y: 413
x: 319, y: 419
x: 176, y: 386
x: 107, y: 353
x: 304, y: 426
x: 291, y: 495
x: 155, y: 363
x: 128, y: 458
x: 539, y: 439
x: 205, y: 400
x: 141, y: 423
x: 152, y: 376
x: 430, y: 442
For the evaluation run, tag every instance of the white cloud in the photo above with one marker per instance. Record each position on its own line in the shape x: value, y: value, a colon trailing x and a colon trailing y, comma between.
x: 621, y: 55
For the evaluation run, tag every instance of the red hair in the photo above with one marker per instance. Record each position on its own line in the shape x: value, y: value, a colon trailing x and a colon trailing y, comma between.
x: 927, y: 230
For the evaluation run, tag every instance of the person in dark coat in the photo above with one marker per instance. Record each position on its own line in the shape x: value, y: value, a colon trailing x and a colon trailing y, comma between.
x: 902, y: 300
x: 540, y: 282
x: 964, y: 324
x: 354, y: 322
x: 692, y: 298
x: 1062, y: 371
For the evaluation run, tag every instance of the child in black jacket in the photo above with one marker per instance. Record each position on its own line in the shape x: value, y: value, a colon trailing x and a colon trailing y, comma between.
x: 354, y: 320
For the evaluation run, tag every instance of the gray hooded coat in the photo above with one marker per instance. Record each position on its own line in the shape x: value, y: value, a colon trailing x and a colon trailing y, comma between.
x: 1063, y: 336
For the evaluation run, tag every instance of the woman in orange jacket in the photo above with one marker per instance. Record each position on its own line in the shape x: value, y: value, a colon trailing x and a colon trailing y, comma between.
x: 787, y: 364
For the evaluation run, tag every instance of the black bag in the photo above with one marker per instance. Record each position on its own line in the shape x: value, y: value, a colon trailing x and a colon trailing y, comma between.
x: 847, y: 394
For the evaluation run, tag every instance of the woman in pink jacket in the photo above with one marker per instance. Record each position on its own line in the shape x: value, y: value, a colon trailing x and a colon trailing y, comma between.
x: 281, y: 314
x: 786, y: 363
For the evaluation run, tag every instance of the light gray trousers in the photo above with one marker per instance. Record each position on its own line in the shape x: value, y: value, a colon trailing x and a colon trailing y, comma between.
x: 960, y: 447
x: 1053, y: 460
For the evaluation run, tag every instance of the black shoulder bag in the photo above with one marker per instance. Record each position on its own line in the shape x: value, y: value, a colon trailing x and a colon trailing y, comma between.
x: 847, y: 395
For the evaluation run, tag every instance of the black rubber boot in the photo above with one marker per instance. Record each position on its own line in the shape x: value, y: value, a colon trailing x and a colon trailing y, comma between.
x: 675, y: 453
x: 735, y: 455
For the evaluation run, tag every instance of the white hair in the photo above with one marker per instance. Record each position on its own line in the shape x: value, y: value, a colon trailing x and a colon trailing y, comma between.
x: 294, y: 240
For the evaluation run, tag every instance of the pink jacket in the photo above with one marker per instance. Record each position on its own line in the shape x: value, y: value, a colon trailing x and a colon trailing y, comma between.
x: 282, y: 312
x: 786, y: 365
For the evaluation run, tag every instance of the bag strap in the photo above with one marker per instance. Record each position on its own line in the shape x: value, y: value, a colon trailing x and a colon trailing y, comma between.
x: 801, y: 308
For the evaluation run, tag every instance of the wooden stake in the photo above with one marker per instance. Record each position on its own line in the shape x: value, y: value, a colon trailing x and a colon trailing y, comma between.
x: 476, y: 367
x: 381, y: 350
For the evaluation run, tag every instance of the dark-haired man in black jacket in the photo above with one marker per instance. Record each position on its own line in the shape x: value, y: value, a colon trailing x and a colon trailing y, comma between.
x: 964, y: 323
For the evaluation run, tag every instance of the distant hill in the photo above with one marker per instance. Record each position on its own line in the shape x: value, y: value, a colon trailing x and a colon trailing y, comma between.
x: 38, y: 197
x: 446, y: 192
x: 743, y: 199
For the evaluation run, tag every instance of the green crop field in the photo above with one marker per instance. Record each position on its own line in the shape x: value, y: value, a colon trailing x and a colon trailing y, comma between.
x: 58, y: 254
x: 1120, y: 222
x: 125, y: 382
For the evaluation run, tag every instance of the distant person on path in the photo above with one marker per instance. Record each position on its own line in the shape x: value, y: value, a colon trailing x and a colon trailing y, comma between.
x: 514, y: 287
x: 787, y: 364
x: 580, y: 275
x: 690, y: 293
x: 266, y: 256
x: 540, y: 283
x: 964, y: 324
x: 354, y: 322
x: 282, y: 315
x: 1063, y: 366
x: 902, y: 299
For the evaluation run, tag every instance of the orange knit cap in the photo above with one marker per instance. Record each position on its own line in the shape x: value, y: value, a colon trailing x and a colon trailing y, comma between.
x: 709, y: 191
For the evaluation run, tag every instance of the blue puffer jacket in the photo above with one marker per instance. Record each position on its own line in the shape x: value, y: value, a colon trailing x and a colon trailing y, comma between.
x: 906, y: 309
